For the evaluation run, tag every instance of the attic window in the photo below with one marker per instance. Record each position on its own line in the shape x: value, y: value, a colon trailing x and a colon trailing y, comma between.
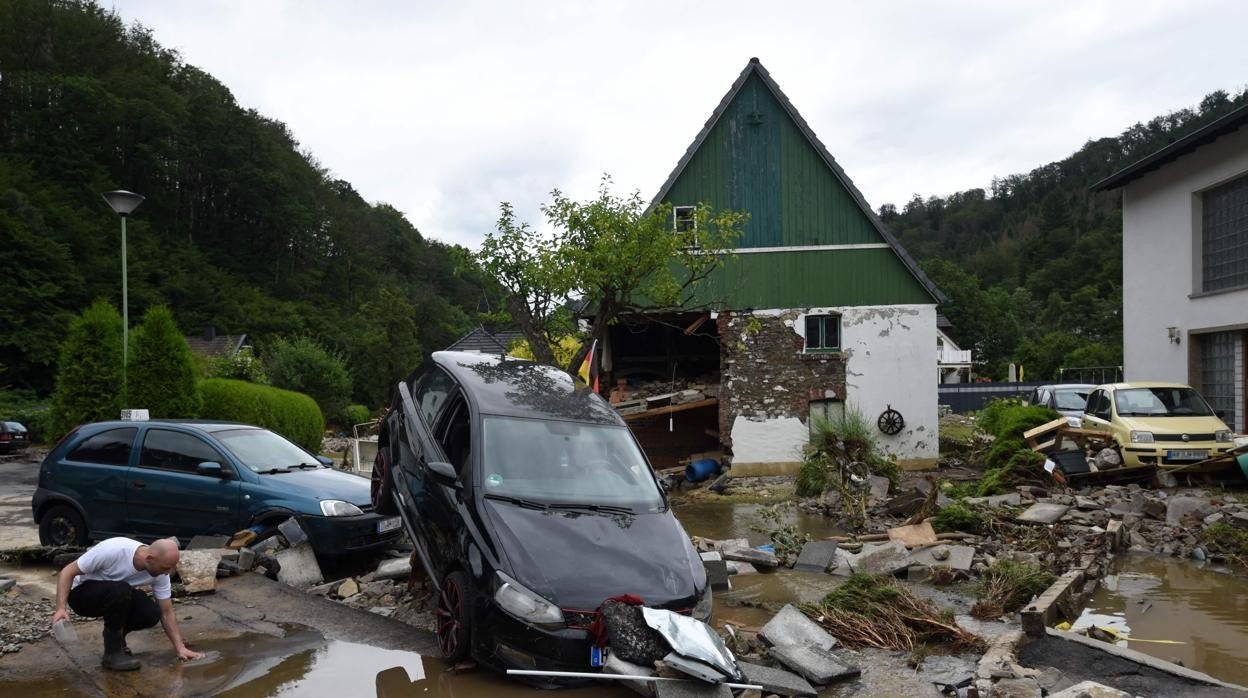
x: 684, y: 221
x: 823, y: 332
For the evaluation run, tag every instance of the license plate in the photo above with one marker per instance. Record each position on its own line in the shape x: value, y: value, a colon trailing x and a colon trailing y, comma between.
x: 386, y: 525
x: 1187, y: 454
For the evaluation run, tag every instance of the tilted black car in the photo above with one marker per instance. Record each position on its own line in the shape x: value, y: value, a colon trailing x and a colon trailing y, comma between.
x: 529, y: 503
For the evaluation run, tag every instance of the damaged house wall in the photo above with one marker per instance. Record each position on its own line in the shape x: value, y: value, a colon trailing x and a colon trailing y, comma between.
x: 770, y: 379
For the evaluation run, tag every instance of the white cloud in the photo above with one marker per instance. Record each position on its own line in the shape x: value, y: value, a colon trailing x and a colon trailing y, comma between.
x: 444, y: 111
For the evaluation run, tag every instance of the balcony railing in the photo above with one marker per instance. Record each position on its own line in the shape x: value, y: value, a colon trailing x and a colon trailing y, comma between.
x: 953, y: 356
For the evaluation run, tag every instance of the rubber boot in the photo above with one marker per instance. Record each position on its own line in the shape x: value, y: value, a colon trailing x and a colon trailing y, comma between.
x: 115, y: 658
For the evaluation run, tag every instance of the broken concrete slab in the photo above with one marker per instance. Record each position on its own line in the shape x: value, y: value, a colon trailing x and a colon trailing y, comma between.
x: 1012, y: 499
x: 198, y: 569
x: 1017, y: 688
x: 691, y: 689
x: 1086, y: 503
x: 246, y: 559
x: 915, y: 535
x: 615, y: 665
x: 816, y: 556
x: 754, y: 556
x: 818, y: 665
x: 1043, y: 612
x: 1043, y: 513
x: 1179, y: 507
x: 292, y: 532
x: 348, y: 588
x: 1090, y: 689
x: 298, y: 566
x: 735, y: 568
x: 791, y: 627
x: 956, y: 557
x: 881, y: 558
x: 777, y: 681
x: 717, y: 574
x: 396, y: 568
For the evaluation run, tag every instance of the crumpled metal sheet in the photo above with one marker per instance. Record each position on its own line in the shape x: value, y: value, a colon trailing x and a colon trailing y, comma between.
x: 694, y: 639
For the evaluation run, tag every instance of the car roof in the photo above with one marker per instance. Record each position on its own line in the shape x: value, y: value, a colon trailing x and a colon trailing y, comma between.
x: 1143, y: 384
x: 517, y: 388
x: 204, y: 425
x: 1065, y: 386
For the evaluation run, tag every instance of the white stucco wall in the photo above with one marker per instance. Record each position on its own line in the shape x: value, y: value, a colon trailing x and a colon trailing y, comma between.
x: 1161, y: 261
x: 890, y: 359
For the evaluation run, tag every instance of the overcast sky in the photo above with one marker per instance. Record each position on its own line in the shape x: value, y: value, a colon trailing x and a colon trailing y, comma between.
x: 445, y: 109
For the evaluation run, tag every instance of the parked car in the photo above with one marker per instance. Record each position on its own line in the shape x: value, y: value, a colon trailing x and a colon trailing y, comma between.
x: 1163, y: 424
x: 160, y: 478
x: 1069, y: 399
x: 13, y: 437
x: 529, y: 503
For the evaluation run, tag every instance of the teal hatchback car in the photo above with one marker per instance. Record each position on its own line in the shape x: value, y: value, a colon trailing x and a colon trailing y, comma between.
x: 155, y: 479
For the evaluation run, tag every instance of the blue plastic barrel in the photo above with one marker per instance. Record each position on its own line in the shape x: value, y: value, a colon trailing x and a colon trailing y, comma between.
x: 699, y: 470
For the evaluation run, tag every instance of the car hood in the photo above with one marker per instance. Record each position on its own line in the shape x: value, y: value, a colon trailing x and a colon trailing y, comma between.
x: 580, y: 559
x: 322, y: 483
x: 1174, y: 425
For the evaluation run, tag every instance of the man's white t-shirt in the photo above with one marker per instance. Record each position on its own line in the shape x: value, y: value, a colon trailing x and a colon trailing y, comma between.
x: 113, y: 561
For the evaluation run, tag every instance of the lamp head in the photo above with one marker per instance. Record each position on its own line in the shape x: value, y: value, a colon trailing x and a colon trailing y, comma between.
x: 122, y: 201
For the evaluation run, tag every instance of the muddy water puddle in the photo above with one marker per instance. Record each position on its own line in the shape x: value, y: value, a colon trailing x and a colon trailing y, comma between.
x: 1157, y: 602
x: 721, y: 521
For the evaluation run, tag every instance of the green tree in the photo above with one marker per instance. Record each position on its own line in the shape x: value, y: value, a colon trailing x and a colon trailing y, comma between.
x: 89, y: 377
x: 304, y: 366
x: 161, y: 374
x: 390, y: 348
x: 612, y: 252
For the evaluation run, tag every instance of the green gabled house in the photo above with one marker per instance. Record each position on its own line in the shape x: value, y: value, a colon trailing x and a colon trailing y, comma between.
x: 819, y: 310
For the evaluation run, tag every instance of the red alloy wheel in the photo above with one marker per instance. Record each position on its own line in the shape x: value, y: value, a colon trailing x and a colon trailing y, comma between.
x: 452, y: 618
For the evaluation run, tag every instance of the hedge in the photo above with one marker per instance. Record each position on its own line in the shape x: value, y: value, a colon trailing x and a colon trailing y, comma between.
x: 293, y: 415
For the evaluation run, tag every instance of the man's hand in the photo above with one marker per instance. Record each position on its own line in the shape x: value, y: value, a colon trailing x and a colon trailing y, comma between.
x: 186, y: 654
x: 62, y: 614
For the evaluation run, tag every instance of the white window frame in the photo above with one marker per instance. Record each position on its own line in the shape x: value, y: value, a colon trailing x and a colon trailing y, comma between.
x: 691, y: 218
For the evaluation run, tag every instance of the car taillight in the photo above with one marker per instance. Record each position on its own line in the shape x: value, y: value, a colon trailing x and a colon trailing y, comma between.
x: 6, y: 437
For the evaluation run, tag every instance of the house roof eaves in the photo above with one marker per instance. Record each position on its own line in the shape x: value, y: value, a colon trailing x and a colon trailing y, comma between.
x: 754, y: 66
x: 1202, y: 136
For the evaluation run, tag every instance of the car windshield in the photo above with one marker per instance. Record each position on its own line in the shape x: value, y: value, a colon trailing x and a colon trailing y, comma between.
x: 1071, y: 399
x: 566, y: 463
x: 1161, y: 402
x: 261, y: 449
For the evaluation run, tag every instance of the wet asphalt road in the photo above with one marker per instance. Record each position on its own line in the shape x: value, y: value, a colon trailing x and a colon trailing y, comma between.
x: 18, y: 479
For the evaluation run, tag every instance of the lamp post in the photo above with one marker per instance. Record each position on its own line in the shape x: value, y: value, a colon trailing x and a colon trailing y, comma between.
x: 123, y: 202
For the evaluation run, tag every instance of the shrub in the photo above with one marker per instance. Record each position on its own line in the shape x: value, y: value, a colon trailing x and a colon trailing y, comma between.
x: 812, y: 477
x: 355, y: 414
x: 1007, y: 586
x: 293, y: 415
x: 1009, y: 459
x: 1010, y: 417
x: 304, y: 366
x: 959, y: 516
x: 89, y: 377
x: 243, y: 365
x: 162, y: 370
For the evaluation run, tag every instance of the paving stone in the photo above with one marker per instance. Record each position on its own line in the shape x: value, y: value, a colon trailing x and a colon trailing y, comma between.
x: 299, y: 566
x: 1177, y: 508
x: 754, y: 556
x: 777, y: 681
x: 791, y: 627
x: 735, y: 568
x: 717, y: 574
x: 1045, y: 513
x: 292, y: 532
x: 816, y: 556
x: 246, y: 559
x: 960, y: 557
x: 881, y: 558
x: 690, y: 689
x: 198, y: 569
x: 818, y: 665
x: 947, y: 670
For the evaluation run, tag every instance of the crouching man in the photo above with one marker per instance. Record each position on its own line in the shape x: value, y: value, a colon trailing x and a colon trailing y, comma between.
x: 103, y: 585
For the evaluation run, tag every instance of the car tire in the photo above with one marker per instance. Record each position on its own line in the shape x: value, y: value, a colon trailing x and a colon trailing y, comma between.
x: 62, y: 525
x: 382, y: 485
x: 453, y: 629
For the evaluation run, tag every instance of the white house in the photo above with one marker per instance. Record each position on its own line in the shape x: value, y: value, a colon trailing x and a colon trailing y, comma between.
x: 1185, y: 263
x: 953, y: 364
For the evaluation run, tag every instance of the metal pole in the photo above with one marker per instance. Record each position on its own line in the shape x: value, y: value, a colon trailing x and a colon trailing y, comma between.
x: 125, y: 307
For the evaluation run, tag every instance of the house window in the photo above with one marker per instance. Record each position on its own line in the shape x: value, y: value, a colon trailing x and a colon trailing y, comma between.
x: 823, y: 332
x: 683, y: 219
x: 1217, y: 373
x: 1224, y: 236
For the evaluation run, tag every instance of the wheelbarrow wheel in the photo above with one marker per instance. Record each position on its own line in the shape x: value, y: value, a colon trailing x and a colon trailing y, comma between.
x: 382, y: 485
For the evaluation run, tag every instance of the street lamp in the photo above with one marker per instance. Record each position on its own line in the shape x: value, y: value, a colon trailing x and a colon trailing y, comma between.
x: 123, y: 202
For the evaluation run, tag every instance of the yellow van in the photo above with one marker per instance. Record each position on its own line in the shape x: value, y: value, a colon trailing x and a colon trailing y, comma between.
x: 1162, y: 424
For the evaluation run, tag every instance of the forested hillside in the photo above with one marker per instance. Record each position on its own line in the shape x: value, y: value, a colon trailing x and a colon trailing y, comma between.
x: 1033, y: 265
x: 242, y: 229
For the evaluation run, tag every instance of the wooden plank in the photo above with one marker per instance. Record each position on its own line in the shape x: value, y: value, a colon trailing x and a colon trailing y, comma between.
x: 1048, y: 427
x: 669, y: 409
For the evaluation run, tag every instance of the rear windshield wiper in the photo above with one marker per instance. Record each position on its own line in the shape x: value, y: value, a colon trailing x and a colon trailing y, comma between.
x: 270, y: 471
x: 526, y: 503
x: 604, y: 508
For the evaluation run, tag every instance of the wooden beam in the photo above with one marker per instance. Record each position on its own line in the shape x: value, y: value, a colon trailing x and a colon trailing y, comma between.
x: 669, y: 409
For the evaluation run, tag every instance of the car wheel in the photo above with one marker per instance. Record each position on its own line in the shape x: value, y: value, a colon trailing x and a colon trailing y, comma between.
x: 382, y: 486
x: 62, y: 525
x: 452, y: 617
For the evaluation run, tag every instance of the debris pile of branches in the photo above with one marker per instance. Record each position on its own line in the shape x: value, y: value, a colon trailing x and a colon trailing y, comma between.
x: 1007, y: 586
x: 874, y: 611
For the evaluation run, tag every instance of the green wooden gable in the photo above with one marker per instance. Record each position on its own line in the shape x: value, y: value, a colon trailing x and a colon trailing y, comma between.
x: 811, y: 240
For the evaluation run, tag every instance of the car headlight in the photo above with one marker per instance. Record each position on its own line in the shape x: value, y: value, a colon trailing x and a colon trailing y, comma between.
x: 1141, y: 437
x: 1224, y: 436
x: 337, y: 507
x: 702, y: 611
x: 524, y: 604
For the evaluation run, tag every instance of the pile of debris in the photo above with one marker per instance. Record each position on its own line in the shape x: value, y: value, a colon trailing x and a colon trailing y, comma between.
x: 22, y: 621
x: 662, y: 393
x: 390, y: 590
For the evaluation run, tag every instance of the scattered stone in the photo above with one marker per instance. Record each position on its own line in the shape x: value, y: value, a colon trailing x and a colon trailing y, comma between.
x: 1012, y: 499
x: 913, y: 536
x: 791, y: 627
x: 1107, y: 459
x: 322, y: 589
x: 691, y: 689
x: 717, y: 574
x: 1154, y: 508
x: 298, y: 566
x: 198, y: 570
x: 735, y: 568
x: 881, y: 558
x: 818, y: 665
x: 956, y: 557
x: 754, y: 556
x: 1214, y: 518
x: 777, y: 681
x: 1239, y: 520
x: 396, y: 568
x: 817, y: 556
x: 615, y: 665
x: 879, y: 487
x: 1166, y: 479
x: 1043, y: 513
x: 292, y: 532
x: 348, y: 589
x: 1090, y: 689
x: 246, y: 559
x: 1180, y: 507
x: 1086, y: 503
x: 6, y: 584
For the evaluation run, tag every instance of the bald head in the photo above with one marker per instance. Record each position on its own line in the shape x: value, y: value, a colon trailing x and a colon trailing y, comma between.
x: 161, y: 556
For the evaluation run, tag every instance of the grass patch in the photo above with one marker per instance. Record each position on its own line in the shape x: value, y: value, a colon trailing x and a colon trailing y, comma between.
x: 874, y: 611
x: 959, y: 516
x: 1228, y: 541
x: 1007, y: 586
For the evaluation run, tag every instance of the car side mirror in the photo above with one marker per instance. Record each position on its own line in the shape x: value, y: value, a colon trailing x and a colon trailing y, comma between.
x: 327, y: 462
x: 211, y: 469
x: 443, y: 472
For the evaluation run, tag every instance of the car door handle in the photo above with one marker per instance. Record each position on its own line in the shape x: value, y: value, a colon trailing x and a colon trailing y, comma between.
x: 138, y: 484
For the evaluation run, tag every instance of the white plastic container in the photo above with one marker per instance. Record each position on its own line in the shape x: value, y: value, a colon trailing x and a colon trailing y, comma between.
x: 64, y: 631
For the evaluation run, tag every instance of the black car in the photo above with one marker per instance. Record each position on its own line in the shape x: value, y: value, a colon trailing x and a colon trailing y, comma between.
x: 13, y: 437
x: 529, y: 503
